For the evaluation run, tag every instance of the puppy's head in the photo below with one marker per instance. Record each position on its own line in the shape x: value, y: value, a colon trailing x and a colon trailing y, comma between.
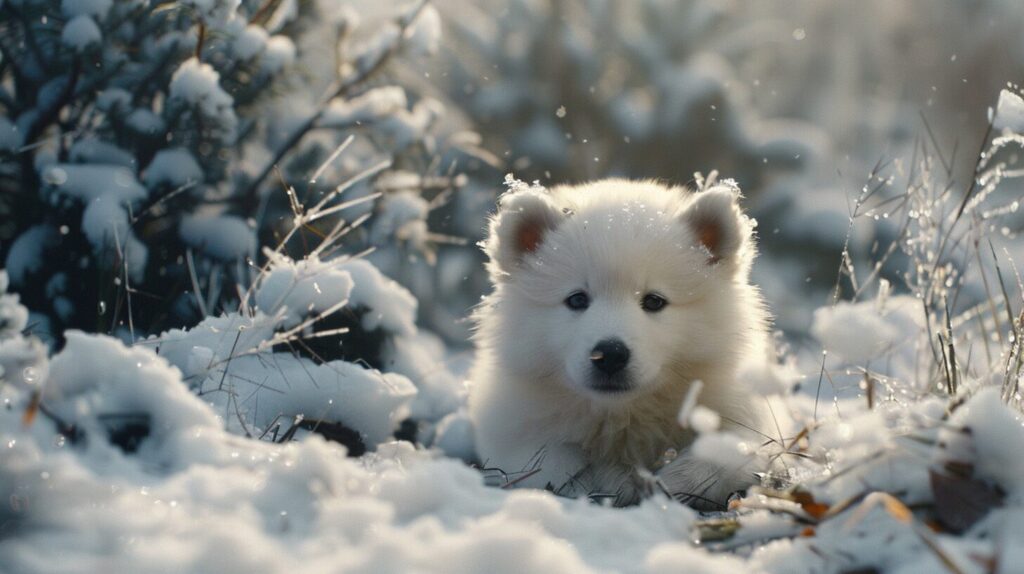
x: 615, y: 287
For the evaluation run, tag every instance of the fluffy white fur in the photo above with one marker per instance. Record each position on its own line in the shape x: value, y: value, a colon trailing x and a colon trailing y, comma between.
x: 536, y: 412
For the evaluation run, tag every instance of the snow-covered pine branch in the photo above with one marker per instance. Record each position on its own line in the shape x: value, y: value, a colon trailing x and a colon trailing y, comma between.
x: 135, y: 137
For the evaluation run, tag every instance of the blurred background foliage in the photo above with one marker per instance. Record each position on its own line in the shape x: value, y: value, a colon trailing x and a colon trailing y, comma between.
x: 797, y: 101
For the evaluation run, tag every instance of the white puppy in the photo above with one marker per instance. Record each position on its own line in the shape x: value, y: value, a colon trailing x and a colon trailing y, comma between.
x: 610, y: 299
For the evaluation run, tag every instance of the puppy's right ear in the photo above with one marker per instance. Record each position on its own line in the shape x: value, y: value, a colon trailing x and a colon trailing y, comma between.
x: 523, y: 220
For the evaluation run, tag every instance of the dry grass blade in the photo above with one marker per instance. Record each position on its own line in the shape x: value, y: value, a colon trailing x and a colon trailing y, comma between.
x: 348, y: 183
x: 521, y: 478
x: 330, y: 159
x: 190, y: 261
x: 341, y: 206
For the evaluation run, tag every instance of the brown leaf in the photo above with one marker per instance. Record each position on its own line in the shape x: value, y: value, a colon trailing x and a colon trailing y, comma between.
x: 815, y: 509
x: 961, y: 501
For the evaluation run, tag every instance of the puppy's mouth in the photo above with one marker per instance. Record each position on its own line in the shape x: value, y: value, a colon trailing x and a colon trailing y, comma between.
x: 614, y: 385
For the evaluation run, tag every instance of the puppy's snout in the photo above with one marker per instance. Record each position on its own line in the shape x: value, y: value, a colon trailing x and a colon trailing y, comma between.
x: 610, y: 356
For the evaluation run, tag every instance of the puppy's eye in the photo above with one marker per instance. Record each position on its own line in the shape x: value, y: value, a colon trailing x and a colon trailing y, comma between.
x: 652, y: 302
x: 578, y: 301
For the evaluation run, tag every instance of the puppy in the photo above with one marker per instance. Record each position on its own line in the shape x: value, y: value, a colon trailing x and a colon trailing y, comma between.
x: 610, y: 299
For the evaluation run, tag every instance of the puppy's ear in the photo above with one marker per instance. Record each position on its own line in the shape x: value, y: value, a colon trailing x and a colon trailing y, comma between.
x: 717, y: 223
x: 523, y: 220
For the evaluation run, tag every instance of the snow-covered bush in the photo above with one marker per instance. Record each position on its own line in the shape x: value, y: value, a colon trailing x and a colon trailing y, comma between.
x: 566, y: 91
x: 183, y: 140
x: 139, y: 143
x: 893, y: 452
x: 324, y: 345
x: 320, y: 345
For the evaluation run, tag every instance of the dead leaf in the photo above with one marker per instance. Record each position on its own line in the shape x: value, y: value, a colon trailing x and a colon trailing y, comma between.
x: 961, y: 501
x: 815, y: 509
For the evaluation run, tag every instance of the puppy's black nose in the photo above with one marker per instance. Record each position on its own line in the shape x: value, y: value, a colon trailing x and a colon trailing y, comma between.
x: 610, y: 356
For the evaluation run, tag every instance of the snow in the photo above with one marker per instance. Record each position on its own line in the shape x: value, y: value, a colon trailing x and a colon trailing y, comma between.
x: 299, y: 289
x: 13, y: 317
x: 425, y: 34
x: 107, y: 191
x: 374, y: 105
x: 372, y: 49
x: 172, y: 167
x: 769, y: 379
x: 280, y: 53
x: 112, y: 98
x: 671, y: 556
x: 722, y: 448
x: 80, y: 33
x: 97, y: 9
x: 391, y: 307
x: 261, y: 499
x: 689, y: 402
x: 228, y: 361
x: 704, y: 420
x: 198, y: 84
x: 402, y: 214
x: 1009, y: 113
x: 250, y: 43
x: 367, y: 401
x: 96, y: 375
x: 996, y: 435
x: 234, y: 380
x: 856, y: 332
x: 105, y: 223
x: 421, y: 358
x: 146, y: 122
x: 105, y: 220
x: 454, y: 436
x: 10, y: 137
x: 94, y: 150
x: 56, y: 291
x: 407, y: 127
x: 22, y: 360
x: 263, y: 507
x: 90, y: 182
x: 224, y: 237
x: 27, y: 254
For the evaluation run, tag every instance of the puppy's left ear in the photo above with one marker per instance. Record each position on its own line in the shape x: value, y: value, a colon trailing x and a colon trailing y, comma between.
x: 717, y: 223
x: 521, y: 225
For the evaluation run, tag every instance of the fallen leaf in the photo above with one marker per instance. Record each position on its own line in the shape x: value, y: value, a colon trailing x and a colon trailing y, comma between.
x: 961, y: 501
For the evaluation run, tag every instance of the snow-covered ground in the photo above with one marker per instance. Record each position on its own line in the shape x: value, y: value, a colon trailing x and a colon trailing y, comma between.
x: 166, y: 457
